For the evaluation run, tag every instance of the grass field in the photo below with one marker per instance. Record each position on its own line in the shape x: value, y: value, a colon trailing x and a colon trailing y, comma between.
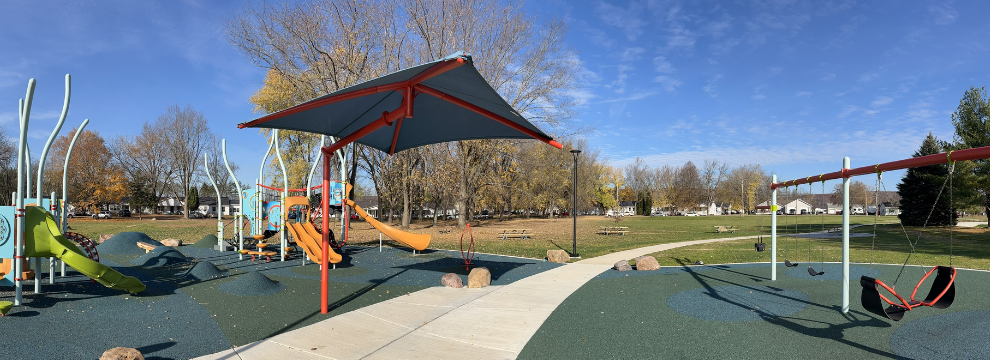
x: 970, y: 248
x: 549, y: 233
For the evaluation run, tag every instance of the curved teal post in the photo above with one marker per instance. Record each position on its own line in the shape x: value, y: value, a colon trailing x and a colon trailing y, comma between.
x: 51, y: 138
x: 240, y: 200
x: 25, y: 115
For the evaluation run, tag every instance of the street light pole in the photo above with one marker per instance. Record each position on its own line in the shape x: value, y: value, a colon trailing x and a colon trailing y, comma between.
x: 574, y: 252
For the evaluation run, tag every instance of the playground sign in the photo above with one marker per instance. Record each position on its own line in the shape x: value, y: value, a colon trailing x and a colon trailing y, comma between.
x: 336, y: 193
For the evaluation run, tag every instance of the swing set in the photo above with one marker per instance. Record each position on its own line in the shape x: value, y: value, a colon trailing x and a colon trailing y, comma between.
x: 942, y: 291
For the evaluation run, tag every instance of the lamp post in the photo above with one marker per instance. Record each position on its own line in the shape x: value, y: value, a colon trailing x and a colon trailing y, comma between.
x: 574, y: 252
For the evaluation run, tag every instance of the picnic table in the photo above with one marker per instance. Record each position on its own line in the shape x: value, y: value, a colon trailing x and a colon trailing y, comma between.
x: 722, y: 229
x: 514, y: 233
x: 835, y: 230
x: 609, y: 230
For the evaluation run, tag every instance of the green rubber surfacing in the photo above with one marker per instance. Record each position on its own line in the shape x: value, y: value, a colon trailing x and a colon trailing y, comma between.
x: 631, y: 317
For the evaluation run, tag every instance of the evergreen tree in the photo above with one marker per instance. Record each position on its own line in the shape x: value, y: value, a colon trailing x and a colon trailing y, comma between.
x: 193, y: 204
x: 141, y: 196
x: 972, y: 123
x: 920, y: 188
x: 647, y: 204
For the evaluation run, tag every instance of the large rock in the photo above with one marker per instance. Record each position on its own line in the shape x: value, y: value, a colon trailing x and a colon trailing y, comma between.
x: 558, y: 256
x: 122, y: 353
x: 452, y: 280
x: 646, y: 262
x: 622, y: 266
x: 103, y: 238
x: 479, y: 277
x: 172, y: 242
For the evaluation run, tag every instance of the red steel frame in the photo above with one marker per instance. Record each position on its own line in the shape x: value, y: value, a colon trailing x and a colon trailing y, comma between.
x: 908, y: 305
x: 951, y: 156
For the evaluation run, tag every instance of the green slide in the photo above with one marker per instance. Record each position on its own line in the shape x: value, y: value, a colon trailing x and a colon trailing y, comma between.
x: 43, y: 239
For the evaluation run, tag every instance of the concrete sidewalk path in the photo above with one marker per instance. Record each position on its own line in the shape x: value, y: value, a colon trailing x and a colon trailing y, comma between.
x: 444, y: 323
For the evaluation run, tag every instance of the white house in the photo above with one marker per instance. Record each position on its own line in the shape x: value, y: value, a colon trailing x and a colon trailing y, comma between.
x: 795, y: 207
x: 715, y: 208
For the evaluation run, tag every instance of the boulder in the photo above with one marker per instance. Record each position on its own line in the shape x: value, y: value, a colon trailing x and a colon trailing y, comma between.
x: 558, y: 256
x: 646, y: 262
x: 452, y: 280
x: 103, y: 238
x: 479, y: 277
x: 622, y: 266
x: 122, y: 353
x: 172, y: 242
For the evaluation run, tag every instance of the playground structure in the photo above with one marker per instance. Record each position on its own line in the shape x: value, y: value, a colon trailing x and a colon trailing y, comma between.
x: 39, y: 223
x: 351, y: 115
x: 942, y: 290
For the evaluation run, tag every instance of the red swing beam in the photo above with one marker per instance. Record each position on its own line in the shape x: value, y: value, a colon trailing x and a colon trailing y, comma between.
x: 951, y: 156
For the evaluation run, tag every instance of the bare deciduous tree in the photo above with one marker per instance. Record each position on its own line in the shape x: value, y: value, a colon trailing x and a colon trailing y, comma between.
x: 187, y: 135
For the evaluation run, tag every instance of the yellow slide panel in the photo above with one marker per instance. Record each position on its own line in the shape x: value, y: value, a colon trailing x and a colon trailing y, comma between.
x: 312, y: 246
x: 415, y: 241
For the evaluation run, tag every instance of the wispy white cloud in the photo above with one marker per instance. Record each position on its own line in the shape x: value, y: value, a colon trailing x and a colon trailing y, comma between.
x: 884, y: 146
x: 943, y: 13
x: 668, y: 83
x: 635, y: 96
x: 662, y: 65
x: 827, y: 77
x: 627, y: 19
x: 8, y: 117
x: 868, y: 77
x: 723, y: 47
x: 632, y: 54
x: 847, y: 110
x: 712, y: 87
x: 775, y: 70
x: 803, y: 94
x: 758, y: 92
x: 882, y: 101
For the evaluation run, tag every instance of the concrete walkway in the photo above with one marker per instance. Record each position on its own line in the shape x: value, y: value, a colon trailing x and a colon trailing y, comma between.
x: 970, y: 223
x: 444, y: 323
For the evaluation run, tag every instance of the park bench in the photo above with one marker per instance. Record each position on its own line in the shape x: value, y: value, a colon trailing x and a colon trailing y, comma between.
x: 514, y: 233
x: 146, y: 246
x: 722, y: 229
x: 612, y: 230
x: 835, y: 230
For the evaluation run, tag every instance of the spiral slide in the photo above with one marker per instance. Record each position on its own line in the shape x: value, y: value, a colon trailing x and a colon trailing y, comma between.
x: 415, y: 241
x: 43, y: 239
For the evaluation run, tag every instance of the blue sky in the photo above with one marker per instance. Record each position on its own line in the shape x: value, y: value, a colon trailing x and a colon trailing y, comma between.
x: 793, y: 85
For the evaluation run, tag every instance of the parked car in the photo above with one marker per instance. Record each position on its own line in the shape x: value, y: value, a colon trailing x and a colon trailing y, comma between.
x: 195, y: 215
x: 691, y: 214
x: 124, y: 213
x: 102, y: 215
x: 659, y: 214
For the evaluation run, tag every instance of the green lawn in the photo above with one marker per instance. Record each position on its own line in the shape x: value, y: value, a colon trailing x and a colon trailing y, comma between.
x: 970, y: 249
x: 186, y: 230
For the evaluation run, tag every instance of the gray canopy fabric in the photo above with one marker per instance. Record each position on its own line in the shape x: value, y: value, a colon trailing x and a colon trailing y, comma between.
x: 451, y: 101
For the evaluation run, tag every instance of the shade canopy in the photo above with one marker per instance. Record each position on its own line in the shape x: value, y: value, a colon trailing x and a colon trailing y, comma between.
x: 441, y: 101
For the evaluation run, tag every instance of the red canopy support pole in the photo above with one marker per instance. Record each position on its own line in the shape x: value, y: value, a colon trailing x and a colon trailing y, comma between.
x: 387, y: 119
x: 464, y: 104
x: 324, y: 263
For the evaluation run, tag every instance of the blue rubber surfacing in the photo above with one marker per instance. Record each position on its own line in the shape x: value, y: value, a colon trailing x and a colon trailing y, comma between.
x: 738, y: 303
